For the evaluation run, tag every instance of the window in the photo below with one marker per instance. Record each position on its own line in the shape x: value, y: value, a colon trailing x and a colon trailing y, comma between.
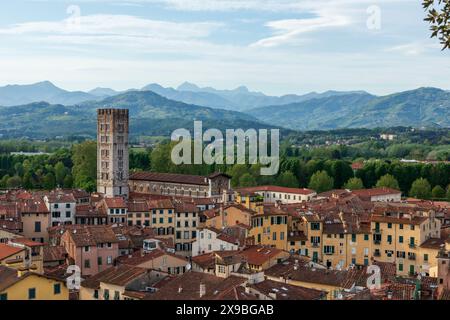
x: 274, y: 236
x: 37, y: 226
x: 161, y: 220
x: 366, y: 237
x: 328, y: 249
x: 31, y: 294
x: 315, y: 226
x: 389, y: 238
x: 116, y: 295
x: 87, y: 264
x: 400, y: 267
x: 425, y: 257
x: 412, y: 227
x: 400, y: 239
x: 109, y: 260
x: 3, y: 296
x: 401, y: 225
x: 86, y: 249
x: 68, y: 214
x: 281, y: 235
x: 353, y: 250
x: 99, y: 261
x: 106, y: 294
x: 57, y: 288
x: 95, y: 294
x: 186, y: 235
x: 389, y: 225
x: 169, y: 219
x: 353, y: 237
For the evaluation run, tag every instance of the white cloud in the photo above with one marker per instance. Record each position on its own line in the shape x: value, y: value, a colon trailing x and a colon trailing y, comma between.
x: 114, y: 25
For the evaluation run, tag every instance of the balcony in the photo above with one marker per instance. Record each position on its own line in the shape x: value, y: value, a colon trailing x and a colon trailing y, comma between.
x: 315, y: 245
x: 376, y: 231
x: 377, y: 254
x: 376, y: 241
x: 412, y: 245
x: 412, y: 257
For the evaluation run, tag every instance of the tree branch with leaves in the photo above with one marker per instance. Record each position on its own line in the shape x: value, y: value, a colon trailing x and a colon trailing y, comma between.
x: 438, y: 15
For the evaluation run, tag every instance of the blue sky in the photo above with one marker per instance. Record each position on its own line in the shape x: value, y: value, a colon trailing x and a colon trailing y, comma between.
x: 273, y: 46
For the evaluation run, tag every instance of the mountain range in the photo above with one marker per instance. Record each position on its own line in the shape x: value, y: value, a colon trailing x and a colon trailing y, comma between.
x: 44, y: 110
x: 151, y: 115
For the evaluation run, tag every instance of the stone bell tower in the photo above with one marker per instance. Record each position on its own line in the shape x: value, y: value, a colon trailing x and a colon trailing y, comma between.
x: 112, y: 152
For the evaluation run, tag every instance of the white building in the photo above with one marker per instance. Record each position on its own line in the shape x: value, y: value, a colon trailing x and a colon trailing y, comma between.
x: 272, y: 194
x: 211, y: 239
x: 62, y: 208
x: 379, y: 194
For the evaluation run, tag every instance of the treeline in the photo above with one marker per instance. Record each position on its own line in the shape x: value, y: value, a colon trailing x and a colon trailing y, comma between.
x: 76, y: 167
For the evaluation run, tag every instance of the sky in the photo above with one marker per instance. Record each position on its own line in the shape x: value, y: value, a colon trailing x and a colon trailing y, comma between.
x: 273, y: 46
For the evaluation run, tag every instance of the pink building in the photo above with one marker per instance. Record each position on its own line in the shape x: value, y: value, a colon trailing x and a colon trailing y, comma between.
x: 92, y: 248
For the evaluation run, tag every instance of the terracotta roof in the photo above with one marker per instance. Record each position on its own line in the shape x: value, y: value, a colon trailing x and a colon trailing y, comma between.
x: 88, y: 211
x: 219, y: 174
x: 300, y: 272
x: 415, y: 220
x: 357, y: 165
x: 8, y: 277
x: 115, y: 203
x: 54, y: 253
x: 119, y: 276
x: 33, y: 205
x: 7, y: 251
x: 375, y: 192
x: 56, y: 197
x: 161, y: 204
x: 258, y: 255
x: 27, y: 242
x: 283, y: 291
x: 86, y: 235
x: 433, y: 243
x: 187, y: 287
x: 138, y: 206
x: 302, y: 191
x: 170, y: 178
x: 139, y: 258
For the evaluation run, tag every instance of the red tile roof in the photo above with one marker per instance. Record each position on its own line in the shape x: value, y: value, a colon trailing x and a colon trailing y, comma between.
x: 258, y: 255
x: 375, y: 192
x: 302, y: 191
x: 115, y: 203
x: 170, y: 178
x: 7, y: 251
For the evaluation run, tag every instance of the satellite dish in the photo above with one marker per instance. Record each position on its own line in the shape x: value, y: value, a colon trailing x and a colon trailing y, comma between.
x: 188, y: 267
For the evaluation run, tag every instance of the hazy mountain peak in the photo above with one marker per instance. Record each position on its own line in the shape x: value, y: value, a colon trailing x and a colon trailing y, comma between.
x: 188, y: 86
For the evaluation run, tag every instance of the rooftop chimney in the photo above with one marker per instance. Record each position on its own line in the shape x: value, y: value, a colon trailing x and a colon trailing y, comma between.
x: 202, y: 290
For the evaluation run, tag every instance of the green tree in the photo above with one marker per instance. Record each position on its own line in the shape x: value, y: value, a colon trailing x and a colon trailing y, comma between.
x: 49, y: 181
x: 287, y: 179
x: 438, y: 192
x: 247, y: 180
x: 420, y: 189
x: 236, y: 172
x: 388, y: 181
x: 354, y: 184
x: 13, y: 182
x: 84, y: 158
x: 438, y: 15
x: 448, y: 192
x: 68, y: 181
x: 60, y: 173
x: 321, y: 182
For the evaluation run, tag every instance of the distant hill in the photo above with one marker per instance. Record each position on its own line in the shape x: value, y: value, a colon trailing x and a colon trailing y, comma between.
x: 151, y: 114
x: 424, y: 107
x: 12, y: 95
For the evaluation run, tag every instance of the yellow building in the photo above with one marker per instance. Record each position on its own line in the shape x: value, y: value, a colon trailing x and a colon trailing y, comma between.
x: 270, y: 228
x: 248, y: 199
x: 120, y: 283
x: 312, y: 227
x: 344, y: 245
x: 23, y: 253
x: 24, y: 285
x: 230, y: 215
x: 398, y: 238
